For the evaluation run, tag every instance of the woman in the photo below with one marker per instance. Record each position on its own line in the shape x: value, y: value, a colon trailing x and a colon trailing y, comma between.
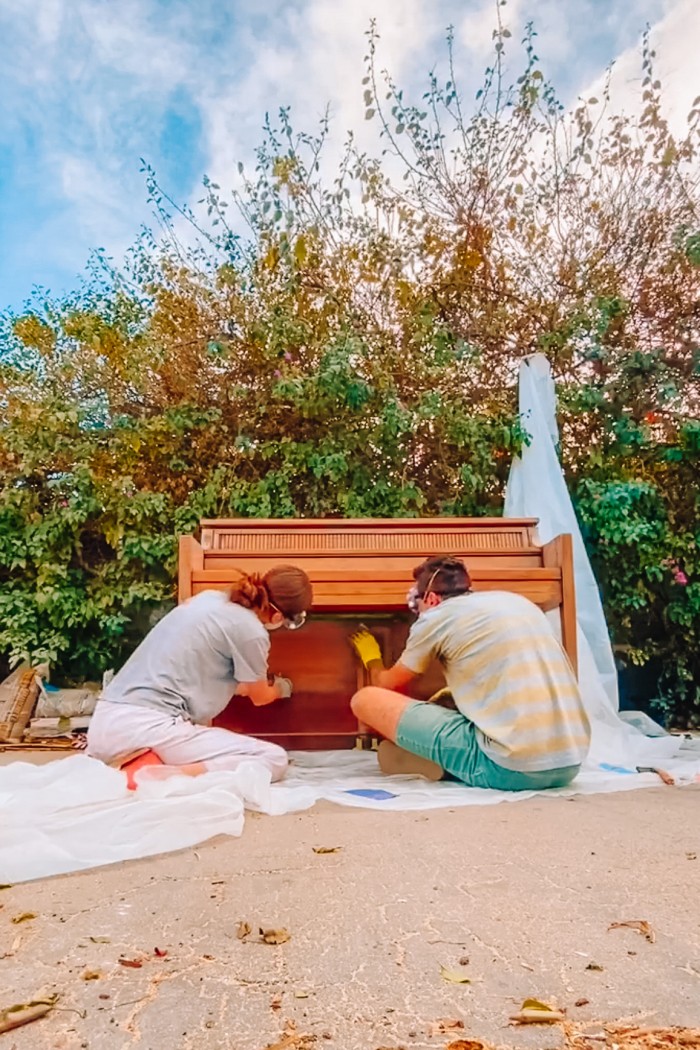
x: 185, y: 671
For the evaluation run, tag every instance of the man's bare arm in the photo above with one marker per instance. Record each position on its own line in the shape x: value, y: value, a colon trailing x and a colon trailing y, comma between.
x: 397, y: 678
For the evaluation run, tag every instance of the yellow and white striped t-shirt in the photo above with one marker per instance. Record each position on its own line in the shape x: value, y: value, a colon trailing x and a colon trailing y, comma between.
x: 508, y: 674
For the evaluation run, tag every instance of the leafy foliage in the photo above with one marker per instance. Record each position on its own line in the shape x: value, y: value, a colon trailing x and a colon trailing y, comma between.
x: 346, y: 344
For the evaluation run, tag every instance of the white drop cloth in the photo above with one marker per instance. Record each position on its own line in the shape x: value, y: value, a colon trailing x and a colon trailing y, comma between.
x: 536, y: 488
x: 76, y: 813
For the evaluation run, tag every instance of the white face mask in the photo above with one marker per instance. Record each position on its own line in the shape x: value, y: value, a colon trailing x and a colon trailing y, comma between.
x: 274, y: 626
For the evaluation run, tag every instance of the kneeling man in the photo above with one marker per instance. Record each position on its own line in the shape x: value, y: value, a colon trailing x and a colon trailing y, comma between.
x: 519, y: 722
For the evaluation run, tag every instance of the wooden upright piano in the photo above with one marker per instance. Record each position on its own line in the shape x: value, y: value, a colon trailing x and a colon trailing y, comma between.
x: 361, y: 570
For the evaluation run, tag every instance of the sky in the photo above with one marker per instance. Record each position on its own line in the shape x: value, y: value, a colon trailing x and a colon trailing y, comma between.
x: 89, y: 87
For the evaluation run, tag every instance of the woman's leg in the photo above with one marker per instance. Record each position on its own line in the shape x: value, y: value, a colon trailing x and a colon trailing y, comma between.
x: 121, y: 730
x: 199, y: 749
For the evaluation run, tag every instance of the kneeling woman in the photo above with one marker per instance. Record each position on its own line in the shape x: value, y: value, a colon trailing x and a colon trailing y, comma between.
x: 186, y: 670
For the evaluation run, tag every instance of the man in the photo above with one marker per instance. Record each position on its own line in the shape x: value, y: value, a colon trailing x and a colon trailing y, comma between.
x: 519, y: 722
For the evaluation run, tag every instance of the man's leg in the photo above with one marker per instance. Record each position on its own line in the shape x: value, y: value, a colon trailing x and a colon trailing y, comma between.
x: 382, y: 710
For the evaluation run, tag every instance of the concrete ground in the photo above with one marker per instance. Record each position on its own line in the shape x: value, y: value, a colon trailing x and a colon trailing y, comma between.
x: 517, y: 897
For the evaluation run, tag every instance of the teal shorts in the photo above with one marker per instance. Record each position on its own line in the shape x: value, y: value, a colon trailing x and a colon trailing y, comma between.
x: 449, y: 739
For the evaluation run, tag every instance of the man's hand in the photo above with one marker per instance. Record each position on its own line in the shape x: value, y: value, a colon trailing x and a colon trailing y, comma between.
x: 367, y: 647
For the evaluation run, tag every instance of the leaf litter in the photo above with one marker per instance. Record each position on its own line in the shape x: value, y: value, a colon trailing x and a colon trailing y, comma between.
x: 467, y: 1044
x: 445, y: 1027
x: 535, y: 1012
x: 265, y: 936
x: 453, y: 976
x: 24, y: 916
x: 280, y: 936
x: 291, y: 1039
x: 22, y: 1013
x: 640, y: 925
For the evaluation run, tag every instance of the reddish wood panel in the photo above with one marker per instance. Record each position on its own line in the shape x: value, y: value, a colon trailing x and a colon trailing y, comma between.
x: 320, y: 662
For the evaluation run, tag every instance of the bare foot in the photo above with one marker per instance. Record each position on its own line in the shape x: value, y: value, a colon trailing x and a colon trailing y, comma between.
x: 192, y: 769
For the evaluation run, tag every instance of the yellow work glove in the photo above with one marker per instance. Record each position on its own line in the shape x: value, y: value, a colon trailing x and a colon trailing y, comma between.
x: 366, y: 646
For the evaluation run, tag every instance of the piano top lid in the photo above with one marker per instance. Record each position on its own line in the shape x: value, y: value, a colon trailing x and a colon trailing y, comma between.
x: 328, y: 537
x: 416, y: 524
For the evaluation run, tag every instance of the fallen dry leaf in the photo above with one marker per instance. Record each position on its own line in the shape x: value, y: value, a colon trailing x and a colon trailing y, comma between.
x: 276, y: 1003
x: 326, y: 849
x: 22, y: 1013
x: 595, y: 966
x: 466, y: 1044
x: 243, y: 929
x: 99, y: 940
x: 689, y: 856
x: 293, y: 1040
x: 24, y: 916
x: 453, y: 977
x: 640, y: 925
x: 160, y: 953
x: 275, y: 936
x: 444, y: 1027
x: 582, y: 1002
x: 533, y: 1011
x: 535, y: 1004
x: 301, y: 995
x: 92, y: 975
x: 132, y: 964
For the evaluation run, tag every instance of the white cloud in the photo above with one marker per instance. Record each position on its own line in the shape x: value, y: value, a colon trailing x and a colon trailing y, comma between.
x: 88, y: 82
x: 676, y: 40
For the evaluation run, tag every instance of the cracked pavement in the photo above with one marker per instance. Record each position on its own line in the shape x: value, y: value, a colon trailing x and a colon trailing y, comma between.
x: 516, y: 897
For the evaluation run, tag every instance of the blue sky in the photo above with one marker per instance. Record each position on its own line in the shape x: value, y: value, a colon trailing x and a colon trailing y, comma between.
x: 89, y: 87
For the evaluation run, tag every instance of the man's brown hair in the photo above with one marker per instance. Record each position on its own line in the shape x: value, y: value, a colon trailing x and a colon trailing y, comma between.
x: 442, y: 575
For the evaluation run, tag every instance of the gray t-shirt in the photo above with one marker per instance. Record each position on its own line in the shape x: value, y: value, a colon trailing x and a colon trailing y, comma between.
x: 192, y: 660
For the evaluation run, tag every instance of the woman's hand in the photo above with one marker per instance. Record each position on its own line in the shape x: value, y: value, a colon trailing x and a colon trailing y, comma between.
x: 285, y: 687
x: 265, y: 691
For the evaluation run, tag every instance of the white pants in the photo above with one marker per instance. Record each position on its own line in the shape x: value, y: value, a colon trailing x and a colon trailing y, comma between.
x: 120, y: 731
